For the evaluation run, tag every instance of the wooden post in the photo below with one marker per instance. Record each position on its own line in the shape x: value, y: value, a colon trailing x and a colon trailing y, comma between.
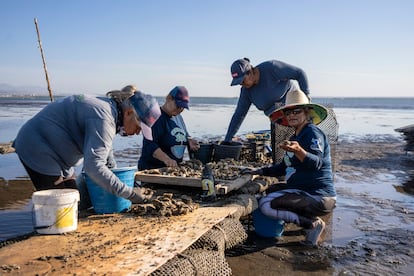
x: 44, y: 63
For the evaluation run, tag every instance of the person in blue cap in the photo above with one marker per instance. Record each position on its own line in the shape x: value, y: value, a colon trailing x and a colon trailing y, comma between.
x: 265, y: 86
x: 170, y: 135
x: 78, y: 128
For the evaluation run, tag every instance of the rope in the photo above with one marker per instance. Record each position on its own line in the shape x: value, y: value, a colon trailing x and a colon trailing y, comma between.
x: 224, y: 233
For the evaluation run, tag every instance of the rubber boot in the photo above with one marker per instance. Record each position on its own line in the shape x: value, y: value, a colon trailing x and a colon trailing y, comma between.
x: 306, y: 223
x: 313, y: 228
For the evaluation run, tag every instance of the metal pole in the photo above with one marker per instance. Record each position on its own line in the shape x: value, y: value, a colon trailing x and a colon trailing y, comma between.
x: 44, y: 63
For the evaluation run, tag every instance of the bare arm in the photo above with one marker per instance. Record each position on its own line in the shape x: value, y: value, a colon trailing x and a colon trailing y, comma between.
x: 162, y: 156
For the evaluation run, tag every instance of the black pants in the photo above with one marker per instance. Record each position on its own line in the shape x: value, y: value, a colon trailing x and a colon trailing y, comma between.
x: 45, y: 182
x: 301, y: 203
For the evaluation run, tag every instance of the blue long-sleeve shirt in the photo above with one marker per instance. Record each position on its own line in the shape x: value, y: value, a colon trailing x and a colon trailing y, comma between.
x: 314, y: 174
x: 68, y: 131
x: 274, y: 83
x: 169, y: 133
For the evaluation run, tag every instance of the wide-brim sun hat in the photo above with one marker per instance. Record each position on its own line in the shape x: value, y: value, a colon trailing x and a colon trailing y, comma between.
x: 298, y: 98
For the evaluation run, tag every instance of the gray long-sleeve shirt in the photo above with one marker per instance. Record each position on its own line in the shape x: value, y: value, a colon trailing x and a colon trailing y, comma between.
x: 67, y: 131
x: 274, y: 83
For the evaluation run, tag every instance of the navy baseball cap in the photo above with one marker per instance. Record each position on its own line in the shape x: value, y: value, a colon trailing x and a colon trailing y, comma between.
x: 181, y: 97
x: 148, y: 111
x: 238, y: 70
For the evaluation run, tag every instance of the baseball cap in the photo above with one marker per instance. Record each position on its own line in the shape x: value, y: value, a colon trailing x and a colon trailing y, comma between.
x: 238, y: 70
x: 181, y: 97
x: 148, y: 111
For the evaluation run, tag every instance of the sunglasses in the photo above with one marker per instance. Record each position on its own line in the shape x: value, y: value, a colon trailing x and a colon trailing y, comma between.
x: 295, y: 111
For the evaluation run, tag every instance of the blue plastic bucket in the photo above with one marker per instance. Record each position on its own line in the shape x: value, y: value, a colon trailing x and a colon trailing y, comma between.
x: 265, y: 226
x: 105, y: 202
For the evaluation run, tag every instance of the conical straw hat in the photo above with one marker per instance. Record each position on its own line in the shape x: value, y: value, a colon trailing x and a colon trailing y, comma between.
x: 298, y: 98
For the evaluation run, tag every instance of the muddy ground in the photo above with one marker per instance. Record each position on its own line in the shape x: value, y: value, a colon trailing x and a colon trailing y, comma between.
x: 369, y: 233
x: 381, y: 229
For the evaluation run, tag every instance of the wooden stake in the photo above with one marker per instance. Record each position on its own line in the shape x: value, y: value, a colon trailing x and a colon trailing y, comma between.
x: 44, y: 63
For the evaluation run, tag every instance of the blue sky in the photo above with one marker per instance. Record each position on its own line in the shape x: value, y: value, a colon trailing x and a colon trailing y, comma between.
x: 353, y: 48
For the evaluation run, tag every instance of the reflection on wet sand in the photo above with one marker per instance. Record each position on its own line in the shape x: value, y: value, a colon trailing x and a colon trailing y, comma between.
x: 408, y: 186
x: 12, y: 192
x: 16, y: 216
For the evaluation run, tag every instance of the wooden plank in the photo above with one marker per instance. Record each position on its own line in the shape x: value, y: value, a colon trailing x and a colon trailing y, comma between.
x: 236, y: 184
x: 113, y: 244
x: 222, y: 186
x: 179, y: 236
x: 169, y: 180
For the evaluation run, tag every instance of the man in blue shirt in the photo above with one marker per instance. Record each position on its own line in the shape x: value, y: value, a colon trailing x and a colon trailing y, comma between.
x: 265, y: 86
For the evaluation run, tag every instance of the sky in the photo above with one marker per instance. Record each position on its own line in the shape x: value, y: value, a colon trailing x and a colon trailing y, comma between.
x: 352, y: 48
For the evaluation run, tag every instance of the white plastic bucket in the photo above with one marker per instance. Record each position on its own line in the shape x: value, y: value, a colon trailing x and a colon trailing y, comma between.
x: 55, y: 210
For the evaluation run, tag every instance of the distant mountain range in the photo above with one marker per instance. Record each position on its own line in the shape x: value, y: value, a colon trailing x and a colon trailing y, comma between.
x: 22, y: 90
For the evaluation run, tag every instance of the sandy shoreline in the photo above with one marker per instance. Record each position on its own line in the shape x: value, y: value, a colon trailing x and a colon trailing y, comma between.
x: 371, y: 230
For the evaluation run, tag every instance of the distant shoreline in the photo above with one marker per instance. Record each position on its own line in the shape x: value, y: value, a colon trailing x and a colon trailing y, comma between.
x: 335, y: 102
x: 7, y: 94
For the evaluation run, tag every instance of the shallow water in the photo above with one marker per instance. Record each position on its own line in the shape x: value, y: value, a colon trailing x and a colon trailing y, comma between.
x: 16, y: 222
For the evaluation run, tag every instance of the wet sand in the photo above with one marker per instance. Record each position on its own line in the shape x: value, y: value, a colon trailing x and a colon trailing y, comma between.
x: 370, y: 232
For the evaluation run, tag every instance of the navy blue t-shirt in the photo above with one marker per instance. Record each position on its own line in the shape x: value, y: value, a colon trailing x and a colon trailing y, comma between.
x: 168, y: 133
x: 314, y: 174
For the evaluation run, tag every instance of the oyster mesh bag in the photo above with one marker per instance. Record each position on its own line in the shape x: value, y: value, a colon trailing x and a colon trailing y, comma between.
x: 225, y: 235
x: 198, y: 262
x: 206, y: 256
